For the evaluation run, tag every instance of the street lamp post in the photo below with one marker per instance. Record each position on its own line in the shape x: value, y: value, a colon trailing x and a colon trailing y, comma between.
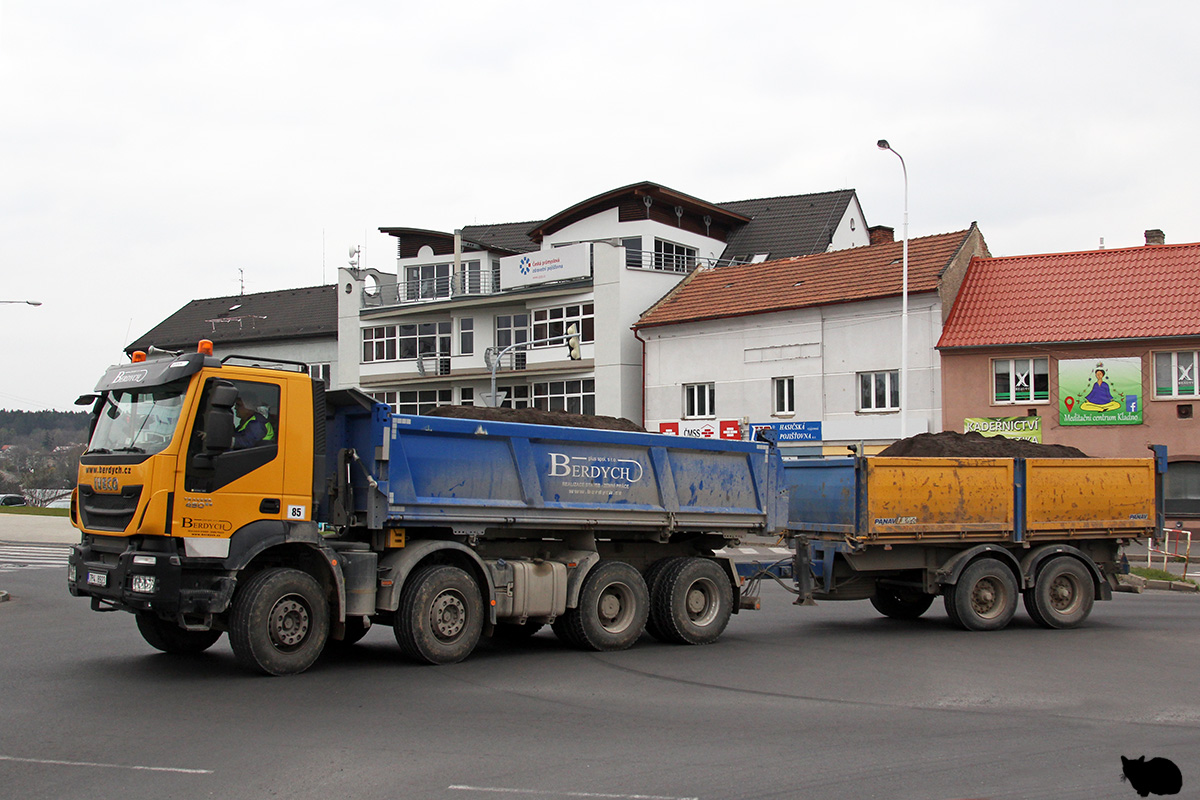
x: 883, y: 145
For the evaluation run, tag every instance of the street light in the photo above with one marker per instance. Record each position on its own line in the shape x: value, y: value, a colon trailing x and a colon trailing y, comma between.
x: 26, y: 302
x: 883, y: 145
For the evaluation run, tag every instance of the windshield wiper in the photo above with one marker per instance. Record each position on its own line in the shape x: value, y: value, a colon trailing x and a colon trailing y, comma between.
x: 103, y: 451
x: 130, y: 449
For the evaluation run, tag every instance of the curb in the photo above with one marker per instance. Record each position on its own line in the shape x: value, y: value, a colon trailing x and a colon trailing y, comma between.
x: 1173, y: 586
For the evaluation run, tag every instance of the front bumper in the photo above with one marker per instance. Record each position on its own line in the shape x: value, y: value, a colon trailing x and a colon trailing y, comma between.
x: 148, y: 576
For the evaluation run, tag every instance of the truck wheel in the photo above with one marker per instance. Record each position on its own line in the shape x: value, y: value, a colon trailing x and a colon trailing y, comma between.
x: 985, y: 597
x: 1062, y: 596
x: 653, y: 578
x: 440, y: 618
x: 692, y: 601
x: 900, y: 602
x: 164, y: 635
x: 280, y: 622
x: 612, y: 611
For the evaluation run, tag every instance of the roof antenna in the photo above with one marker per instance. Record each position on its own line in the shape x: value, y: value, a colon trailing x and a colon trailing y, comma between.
x: 241, y: 281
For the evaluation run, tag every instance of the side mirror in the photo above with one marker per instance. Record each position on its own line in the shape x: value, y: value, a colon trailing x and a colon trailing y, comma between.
x: 86, y: 399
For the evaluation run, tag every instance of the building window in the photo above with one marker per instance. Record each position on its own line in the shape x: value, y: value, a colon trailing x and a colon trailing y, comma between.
x: 511, y: 329
x: 879, y: 391
x: 379, y: 343
x: 516, y: 396
x: 785, y: 395
x: 421, y: 402
x: 427, y: 281
x: 1181, y: 488
x: 576, y: 397
x: 495, y: 274
x: 699, y: 400
x: 1175, y: 374
x: 552, y: 324
x: 470, y: 280
x: 466, y: 396
x: 425, y: 339
x: 466, y: 336
x: 1021, y: 380
x: 320, y: 372
x: 672, y: 257
x: 633, y: 252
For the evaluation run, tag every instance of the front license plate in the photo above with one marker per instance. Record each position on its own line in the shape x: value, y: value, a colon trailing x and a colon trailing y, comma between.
x: 97, y: 579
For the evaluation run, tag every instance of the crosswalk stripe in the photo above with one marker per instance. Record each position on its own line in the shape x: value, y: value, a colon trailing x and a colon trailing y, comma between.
x: 32, y: 556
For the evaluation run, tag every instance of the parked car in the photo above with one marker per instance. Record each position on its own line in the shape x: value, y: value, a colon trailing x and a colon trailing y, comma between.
x: 12, y: 500
x: 62, y: 502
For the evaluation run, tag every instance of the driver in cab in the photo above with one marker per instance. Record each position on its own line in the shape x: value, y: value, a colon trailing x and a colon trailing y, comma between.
x: 252, y: 428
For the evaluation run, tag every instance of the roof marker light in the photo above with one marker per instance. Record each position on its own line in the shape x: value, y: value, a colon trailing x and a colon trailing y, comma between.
x: 138, y: 356
x: 205, y: 347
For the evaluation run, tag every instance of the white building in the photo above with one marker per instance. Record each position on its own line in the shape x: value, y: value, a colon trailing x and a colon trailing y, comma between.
x: 808, y: 345
x: 429, y: 333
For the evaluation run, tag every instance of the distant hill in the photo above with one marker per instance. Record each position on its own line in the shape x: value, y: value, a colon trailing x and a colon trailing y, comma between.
x: 43, y: 430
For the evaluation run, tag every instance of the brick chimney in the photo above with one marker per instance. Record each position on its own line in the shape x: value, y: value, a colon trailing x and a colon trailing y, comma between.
x: 882, y: 234
x: 1153, y: 237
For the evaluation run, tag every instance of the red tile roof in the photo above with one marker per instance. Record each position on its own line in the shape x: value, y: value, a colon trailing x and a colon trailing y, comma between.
x: 1130, y: 293
x: 843, y: 276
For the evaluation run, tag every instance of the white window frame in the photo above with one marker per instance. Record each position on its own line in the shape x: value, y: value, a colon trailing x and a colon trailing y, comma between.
x: 1178, y: 370
x: 699, y: 401
x: 784, y: 393
x: 552, y: 323
x: 890, y: 379
x: 573, y: 395
x: 321, y: 371
x: 466, y: 336
x: 380, y: 343
x: 1019, y: 381
x: 673, y: 257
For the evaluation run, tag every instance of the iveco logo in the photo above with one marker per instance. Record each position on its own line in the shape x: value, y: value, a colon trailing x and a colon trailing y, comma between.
x: 106, y: 484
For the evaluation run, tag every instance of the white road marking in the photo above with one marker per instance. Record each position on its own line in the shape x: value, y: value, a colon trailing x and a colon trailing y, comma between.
x: 33, y: 556
x: 58, y: 763
x: 547, y: 793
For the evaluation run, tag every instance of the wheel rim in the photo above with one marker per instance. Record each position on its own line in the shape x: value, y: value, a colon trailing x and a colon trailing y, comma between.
x: 988, y: 597
x: 448, y: 615
x: 290, y: 622
x: 615, y: 607
x: 1064, y: 594
x: 702, y: 602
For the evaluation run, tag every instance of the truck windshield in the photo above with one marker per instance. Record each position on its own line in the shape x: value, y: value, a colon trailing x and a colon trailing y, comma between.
x: 133, y: 421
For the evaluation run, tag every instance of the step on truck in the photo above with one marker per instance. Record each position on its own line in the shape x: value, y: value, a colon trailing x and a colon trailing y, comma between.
x: 981, y: 532
x: 219, y: 496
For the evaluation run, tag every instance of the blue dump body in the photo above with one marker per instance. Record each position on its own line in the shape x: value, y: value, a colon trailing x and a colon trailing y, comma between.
x: 463, y: 474
x: 821, y: 494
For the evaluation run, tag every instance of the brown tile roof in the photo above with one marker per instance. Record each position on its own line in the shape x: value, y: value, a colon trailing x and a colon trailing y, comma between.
x: 1128, y: 293
x: 860, y: 273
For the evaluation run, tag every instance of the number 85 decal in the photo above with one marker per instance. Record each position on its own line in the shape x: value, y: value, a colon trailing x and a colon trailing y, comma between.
x: 296, y: 512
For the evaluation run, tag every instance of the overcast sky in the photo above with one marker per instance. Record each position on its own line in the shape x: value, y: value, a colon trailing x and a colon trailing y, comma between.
x: 152, y: 150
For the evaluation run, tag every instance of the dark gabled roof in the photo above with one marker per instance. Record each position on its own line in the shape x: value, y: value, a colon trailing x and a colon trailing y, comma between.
x: 656, y: 192
x: 841, y: 276
x: 510, y: 236
x: 783, y: 227
x: 1096, y: 295
x: 285, y: 314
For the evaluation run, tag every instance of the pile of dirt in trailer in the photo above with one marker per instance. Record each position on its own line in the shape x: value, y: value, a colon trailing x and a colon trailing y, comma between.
x: 975, y: 445
x: 533, y: 416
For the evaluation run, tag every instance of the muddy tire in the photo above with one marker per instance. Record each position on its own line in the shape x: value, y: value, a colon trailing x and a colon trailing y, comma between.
x: 692, y: 602
x: 280, y: 622
x: 612, y: 611
x: 1062, y: 595
x: 440, y: 618
x: 984, y: 598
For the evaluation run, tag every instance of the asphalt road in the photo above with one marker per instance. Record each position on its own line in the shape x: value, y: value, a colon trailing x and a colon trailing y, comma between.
x: 832, y: 701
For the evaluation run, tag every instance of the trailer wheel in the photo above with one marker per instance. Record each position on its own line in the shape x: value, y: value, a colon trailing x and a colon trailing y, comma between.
x: 1062, y: 595
x: 900, y: 602
x: 440, y: 618
x: 985, y: 597
x: 692, y: 602
x: 280, y: 622
x: 164, y: 635
x: 653, y: 578
x: 612, y: 611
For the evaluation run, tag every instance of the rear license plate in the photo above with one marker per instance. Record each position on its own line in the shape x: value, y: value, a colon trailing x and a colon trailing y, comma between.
x: 97, y: 579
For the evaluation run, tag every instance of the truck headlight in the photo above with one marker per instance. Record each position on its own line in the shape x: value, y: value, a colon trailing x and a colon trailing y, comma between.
x: 143, y: 584
x: 72, y: 574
